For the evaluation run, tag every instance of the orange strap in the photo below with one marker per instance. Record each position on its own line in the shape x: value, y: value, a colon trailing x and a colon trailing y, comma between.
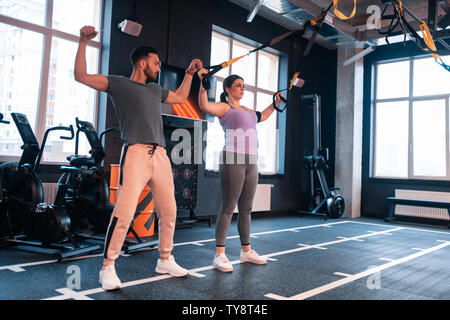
x: 340, y: 15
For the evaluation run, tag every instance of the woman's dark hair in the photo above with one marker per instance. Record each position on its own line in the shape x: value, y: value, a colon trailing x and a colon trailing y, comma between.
x: 227, y: 84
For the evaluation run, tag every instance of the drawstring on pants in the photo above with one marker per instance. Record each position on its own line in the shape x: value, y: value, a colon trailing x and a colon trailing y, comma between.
x: 152, y: 148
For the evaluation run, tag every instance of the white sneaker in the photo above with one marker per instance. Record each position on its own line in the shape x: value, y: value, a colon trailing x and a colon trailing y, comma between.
x: 252, y: 257
x: 222, y: 263
x: 171, y: 267
x: 109, y: 279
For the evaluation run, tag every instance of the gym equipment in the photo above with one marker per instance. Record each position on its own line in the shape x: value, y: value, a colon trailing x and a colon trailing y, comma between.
x: 25, y: 192
x: 425, y: 43
x: 317, y: 162
x: 26, y: 213
x: 88, y: 194
x: 185, y: 175
x: 1, y: 119
x: 393, y: 201
x: 2, y: 202
x: 316, y: 23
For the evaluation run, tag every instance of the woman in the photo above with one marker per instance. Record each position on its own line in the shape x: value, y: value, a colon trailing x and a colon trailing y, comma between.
x: 238, y: 166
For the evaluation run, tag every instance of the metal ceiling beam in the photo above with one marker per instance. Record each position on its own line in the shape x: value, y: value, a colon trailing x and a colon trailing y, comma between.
x: 315, y: 10
x: 432, y: 14
x: 254, y: 10
x: 285, y: 22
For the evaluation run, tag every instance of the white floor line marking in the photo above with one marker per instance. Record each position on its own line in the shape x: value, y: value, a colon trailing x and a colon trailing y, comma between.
x: 342, y: 274
x: 210, y: 267
x: 270, y: 259
x: 296, y: 229
x: 404, y: 227
x: 175, y: 245
x: 370, y: 231
x: 330, y: 243
x: 195, y: 274
x: 418, y: 249
x: 19, y: 266
x: 253, y: 236
x: 385, y: 259
x: 311, y: 246
x: 198, y: 244
x: 352, y: 239
x: 128, y: 284
x: 299, y: 228
x: 338, y: 283
x: 67, y: 293
x: 275, y: 296
x: 16, y: 269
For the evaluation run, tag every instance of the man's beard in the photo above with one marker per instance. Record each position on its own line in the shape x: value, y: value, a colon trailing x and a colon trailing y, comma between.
x: 152, y: 77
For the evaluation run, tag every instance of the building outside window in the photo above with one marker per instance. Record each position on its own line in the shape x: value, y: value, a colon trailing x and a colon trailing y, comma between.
x: 411, y: 120
x: 42, y: 36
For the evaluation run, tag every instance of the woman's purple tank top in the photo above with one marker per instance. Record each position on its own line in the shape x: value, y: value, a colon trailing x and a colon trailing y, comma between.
x: 239, y: 127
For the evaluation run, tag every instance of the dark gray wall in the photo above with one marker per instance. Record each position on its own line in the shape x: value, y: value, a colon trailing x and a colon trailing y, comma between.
x: 181, y: 31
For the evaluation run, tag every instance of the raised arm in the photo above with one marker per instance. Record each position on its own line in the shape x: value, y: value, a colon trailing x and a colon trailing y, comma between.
x: 94, y: 81
x: 268, y: 111
x: 182, y: 93
x: 217, y: 109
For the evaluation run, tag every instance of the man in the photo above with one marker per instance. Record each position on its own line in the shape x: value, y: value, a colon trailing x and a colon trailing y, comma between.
x: 144, y: 159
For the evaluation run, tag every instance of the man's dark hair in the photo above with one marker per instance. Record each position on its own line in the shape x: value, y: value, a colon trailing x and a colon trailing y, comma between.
x: 141, y: 52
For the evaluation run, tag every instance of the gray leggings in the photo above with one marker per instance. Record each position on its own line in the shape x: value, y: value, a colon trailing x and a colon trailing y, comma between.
x: 239, y: 183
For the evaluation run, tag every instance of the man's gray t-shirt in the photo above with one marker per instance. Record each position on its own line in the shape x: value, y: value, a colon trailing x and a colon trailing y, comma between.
x: 138, y: 108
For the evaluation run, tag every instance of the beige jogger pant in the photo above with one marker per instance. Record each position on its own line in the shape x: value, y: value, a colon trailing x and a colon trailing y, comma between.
x: 142, y: 164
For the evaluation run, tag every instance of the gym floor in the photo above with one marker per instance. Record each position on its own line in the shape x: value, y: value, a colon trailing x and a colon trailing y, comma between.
x: 308, y: 258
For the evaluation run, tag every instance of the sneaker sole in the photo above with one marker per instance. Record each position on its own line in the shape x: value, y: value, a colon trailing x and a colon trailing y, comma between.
x: 252, y: 261
x: 222, y: 269
x: 174, y: 275
x: 110, y: 288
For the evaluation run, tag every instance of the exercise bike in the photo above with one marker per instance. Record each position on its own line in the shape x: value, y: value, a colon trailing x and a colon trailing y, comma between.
x: 22, y: 187
x: 3, y: 229
x: 28, y: 217
x: 87, y: 196
x: 316, y: 161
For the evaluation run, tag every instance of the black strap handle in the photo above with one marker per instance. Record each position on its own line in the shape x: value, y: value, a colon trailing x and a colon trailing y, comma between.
x: 1, y: 119
x: 274, y: 98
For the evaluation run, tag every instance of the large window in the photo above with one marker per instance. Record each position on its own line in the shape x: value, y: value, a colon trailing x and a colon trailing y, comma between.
x: 39, y: 39
x: 411, y: 137
x: 260, y: 72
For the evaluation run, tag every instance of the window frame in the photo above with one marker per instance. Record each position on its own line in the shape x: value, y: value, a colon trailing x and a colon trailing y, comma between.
x: 410, y: 99
x: 252, y: 88
x: 48, y: 33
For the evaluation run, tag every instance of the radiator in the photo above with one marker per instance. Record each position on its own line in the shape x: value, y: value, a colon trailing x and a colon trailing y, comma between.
x: 49, y: 192
x: 422, y: 212
x: 261, y: 202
